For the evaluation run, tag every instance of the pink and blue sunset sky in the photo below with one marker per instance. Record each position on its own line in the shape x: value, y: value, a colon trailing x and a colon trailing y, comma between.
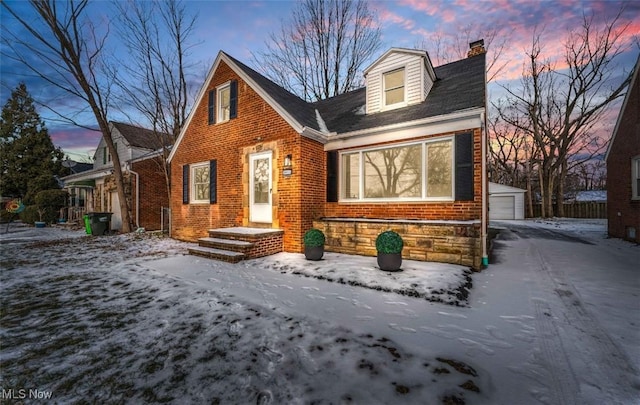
x: 241, y: 27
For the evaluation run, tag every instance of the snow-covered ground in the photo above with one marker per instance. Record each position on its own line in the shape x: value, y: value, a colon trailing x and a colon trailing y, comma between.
x: 555, y: 319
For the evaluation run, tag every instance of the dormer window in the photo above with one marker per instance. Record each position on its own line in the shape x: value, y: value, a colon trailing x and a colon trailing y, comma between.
x: 393, y: 87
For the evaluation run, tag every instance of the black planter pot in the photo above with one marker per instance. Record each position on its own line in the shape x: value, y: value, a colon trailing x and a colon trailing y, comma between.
x: 313, y: 252
x: 390, y: 261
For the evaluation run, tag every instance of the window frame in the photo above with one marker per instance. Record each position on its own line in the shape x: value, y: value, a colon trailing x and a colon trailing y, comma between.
x: 219, y: 107
x: 402, y: 103
x: 423, y: 167
x: 635, y: 178
x: 192, y: 183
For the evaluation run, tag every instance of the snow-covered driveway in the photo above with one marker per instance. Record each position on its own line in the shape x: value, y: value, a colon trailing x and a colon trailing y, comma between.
x: 555, y: 319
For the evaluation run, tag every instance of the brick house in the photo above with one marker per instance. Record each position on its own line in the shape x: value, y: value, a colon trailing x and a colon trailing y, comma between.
x: 145, y: 182
x: 260, y: 166
x: 623, y: 167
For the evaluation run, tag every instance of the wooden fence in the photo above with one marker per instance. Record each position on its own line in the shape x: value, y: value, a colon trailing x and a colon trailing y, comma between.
x: 587, y: 209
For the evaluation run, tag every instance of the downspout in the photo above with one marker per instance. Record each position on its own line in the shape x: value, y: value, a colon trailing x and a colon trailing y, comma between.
x: 485, y: 196
x: 137, y: 195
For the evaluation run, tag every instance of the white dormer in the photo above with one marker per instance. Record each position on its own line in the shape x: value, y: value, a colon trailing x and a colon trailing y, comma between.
x: 398, y: 78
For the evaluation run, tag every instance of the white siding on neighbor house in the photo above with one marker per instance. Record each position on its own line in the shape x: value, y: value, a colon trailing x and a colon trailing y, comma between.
x: 125, y: 152
x: 417, y: 80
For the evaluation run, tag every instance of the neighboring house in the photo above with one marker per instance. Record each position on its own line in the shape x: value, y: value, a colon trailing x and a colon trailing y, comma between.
x: 505, y: 202
x: 623, y: 167
x: 145, y: 183
x: 405, y: 153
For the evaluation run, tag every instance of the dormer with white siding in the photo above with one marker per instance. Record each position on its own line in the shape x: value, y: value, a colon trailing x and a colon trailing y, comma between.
x: 399, y: 78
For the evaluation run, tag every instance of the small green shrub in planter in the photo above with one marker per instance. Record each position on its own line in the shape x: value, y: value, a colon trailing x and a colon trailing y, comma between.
x: 314, y: 244
x: 389, y: 245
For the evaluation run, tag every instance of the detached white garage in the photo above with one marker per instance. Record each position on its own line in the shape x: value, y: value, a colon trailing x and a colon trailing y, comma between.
x: 505, y: 202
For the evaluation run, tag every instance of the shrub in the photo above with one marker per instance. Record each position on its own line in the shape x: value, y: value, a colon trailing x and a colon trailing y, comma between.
x: 51, y: 201
x: 389, y: 242
x: 314, y: 237
x: 30, y: 214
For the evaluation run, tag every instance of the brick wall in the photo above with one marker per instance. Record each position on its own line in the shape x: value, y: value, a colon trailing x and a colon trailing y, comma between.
x: 622, y: 211
x: 152, y: 191
x: 257, y: 128
x: 458, y: 243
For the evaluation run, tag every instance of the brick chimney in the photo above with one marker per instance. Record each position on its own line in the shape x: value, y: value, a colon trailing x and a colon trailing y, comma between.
x: 476, y: 48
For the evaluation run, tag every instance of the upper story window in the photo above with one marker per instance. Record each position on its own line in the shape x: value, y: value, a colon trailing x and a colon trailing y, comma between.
x: 635, y: 178
x: 394, y: 84
x: 224, y: 102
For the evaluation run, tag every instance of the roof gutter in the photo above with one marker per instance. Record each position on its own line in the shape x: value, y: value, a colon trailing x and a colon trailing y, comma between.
x: 446, y: 123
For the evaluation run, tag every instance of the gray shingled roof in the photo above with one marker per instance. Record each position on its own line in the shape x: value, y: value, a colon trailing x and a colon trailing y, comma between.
x: 299, y: 109
x: 459, y: 86
x: 138, y: 137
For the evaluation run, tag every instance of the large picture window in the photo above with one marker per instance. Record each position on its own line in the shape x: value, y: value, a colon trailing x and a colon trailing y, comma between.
x: 416, y: 171
x: 200, y: 182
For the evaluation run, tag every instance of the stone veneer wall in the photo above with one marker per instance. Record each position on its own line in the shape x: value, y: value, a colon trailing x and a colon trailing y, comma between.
x: 457, y: 242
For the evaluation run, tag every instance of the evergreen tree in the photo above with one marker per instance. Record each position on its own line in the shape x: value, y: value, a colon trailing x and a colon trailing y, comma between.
x: 28, y: 159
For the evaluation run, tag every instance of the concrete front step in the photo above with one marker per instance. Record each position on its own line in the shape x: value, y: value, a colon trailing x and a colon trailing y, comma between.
x: 226, y: 244
x: 218, y: 254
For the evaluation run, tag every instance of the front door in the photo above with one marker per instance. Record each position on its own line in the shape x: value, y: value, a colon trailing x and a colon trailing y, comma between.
x: 260, y: 187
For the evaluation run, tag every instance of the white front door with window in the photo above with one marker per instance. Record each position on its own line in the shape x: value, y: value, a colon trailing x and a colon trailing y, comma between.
x: 260, y: 187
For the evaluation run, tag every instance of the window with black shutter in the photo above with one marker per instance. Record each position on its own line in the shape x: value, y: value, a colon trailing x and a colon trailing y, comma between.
x: 464, y: 167
x: 233, y: 99
x: 185, y: 184
x: 212, y: 106
x: 213, y: 180
x: 332, y: 176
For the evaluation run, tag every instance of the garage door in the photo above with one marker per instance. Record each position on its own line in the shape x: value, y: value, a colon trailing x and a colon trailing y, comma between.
x: 502, y: 207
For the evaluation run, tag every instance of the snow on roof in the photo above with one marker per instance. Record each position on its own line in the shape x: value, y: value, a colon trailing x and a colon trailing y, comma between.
x: 495, y: 188
x: 592, y: 195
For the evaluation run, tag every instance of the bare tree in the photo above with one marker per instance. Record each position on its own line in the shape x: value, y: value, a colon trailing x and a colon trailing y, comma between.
x: 156, y: 36
x: 63, y: 48
x: 562, y: 105
x: 444, y: 47
x: 320, y: 51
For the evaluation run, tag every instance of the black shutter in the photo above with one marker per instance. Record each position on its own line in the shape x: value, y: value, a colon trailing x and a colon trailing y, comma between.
x: 213, y: 181
x: 464, y: 167
x: 212, y: 106
x: 332, y: 176
x: 233, y: 99
x: 104, y: 155
x: 185, y: 184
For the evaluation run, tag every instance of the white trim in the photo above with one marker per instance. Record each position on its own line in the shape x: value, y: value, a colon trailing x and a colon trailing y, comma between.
x: 441, y: 124
x: 192, y: 184
x: 395, y: 50
x: 261, y: 212
x: 423, y: 170
x: 383, y: 90
x: 218, y: 112
x: 265, y: 96
x: 624, y: 106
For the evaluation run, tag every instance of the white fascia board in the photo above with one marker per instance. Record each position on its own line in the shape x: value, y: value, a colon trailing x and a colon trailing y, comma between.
x: 88, y: 175
x: 198, y: 98
x: 315, y: 135
x: 390, y: 51
x: 407, y: 130
x: 624, y: 106
x: 222, y: 56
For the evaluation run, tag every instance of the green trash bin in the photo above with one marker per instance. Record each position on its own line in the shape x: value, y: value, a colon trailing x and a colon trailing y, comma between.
x: 87, y: 224
x: 100, y: 222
